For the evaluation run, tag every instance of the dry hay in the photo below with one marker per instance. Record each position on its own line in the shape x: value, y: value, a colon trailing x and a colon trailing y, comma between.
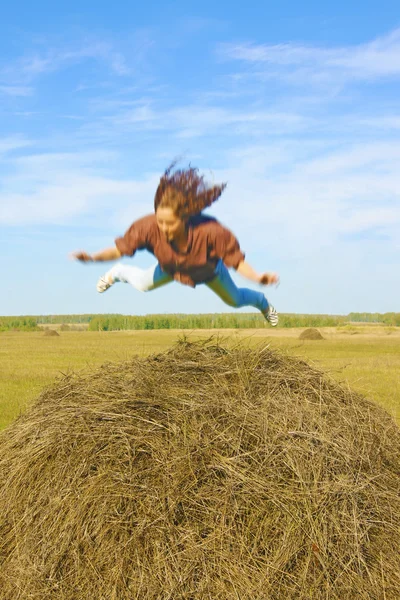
x: 311, y: 334
x: 200, y: 473
x: 51, y: 332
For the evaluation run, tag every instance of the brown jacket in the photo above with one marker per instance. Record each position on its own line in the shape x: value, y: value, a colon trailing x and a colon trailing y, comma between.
x: 208, y: 242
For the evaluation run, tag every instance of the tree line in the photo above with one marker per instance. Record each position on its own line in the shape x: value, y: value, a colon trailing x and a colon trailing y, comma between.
x: 212, y: 321
x: 115, y: 322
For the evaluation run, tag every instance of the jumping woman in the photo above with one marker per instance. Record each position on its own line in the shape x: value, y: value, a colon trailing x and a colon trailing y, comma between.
x: 190, y: 247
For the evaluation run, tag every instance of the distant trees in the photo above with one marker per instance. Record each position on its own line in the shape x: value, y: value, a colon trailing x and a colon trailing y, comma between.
x: 178, y: 321
x: 18, y: 323
x: 390, y: 318
x: 75, y: 319
x: 208, y: 321
x: 115, y: 322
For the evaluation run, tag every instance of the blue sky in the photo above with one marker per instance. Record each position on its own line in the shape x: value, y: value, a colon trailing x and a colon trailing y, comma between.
x: 295, y: 105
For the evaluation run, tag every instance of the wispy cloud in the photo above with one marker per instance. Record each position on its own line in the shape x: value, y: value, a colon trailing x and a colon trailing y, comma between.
x: 18, y: 75
x: 98, y: 51
x: 55, y: 59
x: 379, y: 58
x: 8, y: 144
x: 57, y: 188
x: 198, y: 120
x: 303, y: 202
x: 16, y: 90
x: 383, y: 122
x: 31, y: 66
x: 195, y: 121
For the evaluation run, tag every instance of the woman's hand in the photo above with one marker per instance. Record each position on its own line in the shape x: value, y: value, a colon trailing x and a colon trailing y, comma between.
x: 269, y: 279
x: 104, y: 255
x: 82, y: 256
x: 265, y: 279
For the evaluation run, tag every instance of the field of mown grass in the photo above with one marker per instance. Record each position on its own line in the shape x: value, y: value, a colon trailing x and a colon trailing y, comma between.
x: 365, y: 357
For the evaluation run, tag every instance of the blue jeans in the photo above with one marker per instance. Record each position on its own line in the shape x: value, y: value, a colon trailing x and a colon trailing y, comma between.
x: 222, y: 284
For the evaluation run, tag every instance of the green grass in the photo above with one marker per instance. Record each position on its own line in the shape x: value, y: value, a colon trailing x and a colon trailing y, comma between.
x: 368, y: 362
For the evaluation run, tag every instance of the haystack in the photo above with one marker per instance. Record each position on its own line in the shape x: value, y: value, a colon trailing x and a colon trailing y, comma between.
x: 51, y: 332
x: 311, y: 333
x: 205, y: 472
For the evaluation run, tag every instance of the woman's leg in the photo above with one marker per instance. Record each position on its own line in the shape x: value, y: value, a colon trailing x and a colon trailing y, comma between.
x: 224, y: 286
x: 143, y: 280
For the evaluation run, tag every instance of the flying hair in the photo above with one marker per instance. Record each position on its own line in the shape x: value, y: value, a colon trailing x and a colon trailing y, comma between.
x: 185, y: 191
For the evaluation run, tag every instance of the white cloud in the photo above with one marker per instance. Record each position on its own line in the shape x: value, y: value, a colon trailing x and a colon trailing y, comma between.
x: 60, y: 188
x: 385, y: 122
x: 370, y: 155
x: 16, y: 90
x: 17, y: 74
x: 300, y: 63
x: 35, y: 65
x: 194, y: 121
x: 98, y: 51
x: 385, y: 219
x: 140, y: 115
x: 15, y: 142
x: 287, y: 195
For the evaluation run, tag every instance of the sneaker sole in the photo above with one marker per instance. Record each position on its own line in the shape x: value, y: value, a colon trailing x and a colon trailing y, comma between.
x: 272, y: 317
x: 102, y: 285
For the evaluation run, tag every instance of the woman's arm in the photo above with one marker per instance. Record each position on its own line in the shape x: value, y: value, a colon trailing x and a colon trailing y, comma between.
x: 102, y: 256
x: 247, y: 271
x: 228, y: 249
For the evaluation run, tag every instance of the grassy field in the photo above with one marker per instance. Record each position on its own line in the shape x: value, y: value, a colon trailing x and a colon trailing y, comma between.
x: 367, y: 358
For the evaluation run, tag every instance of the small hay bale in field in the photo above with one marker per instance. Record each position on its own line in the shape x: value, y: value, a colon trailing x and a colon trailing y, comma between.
x: 51, y: 332
x: 311, y: 334
x: 202, y: 472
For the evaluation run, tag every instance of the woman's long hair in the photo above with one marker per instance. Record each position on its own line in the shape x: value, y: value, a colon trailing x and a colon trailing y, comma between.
x: 185, y: 191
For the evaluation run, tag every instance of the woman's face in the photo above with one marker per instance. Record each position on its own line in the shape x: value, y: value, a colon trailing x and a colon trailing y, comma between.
x: 170, y: 225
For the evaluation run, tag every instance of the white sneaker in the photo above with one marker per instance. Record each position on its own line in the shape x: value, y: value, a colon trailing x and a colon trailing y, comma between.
x: 271, y: 316
x: 104, y: 283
